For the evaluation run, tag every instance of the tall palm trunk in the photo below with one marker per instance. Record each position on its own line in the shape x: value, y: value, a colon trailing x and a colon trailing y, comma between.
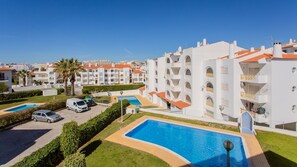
x: 24, y: 81
x: 72, y: 88
x: 65, y: 87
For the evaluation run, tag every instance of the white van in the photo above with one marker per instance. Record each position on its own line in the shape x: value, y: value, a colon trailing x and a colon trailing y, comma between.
x: 77, y: 105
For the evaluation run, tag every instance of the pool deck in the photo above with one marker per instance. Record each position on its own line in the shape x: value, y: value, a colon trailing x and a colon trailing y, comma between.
x: 254, y: 152
x: 3, y: 111
x: 143, y: 101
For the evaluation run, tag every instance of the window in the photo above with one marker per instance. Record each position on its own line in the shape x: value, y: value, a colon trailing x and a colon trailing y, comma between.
x: 293, y: 88
x: 294, y: 108
x: 168, y: 60
x: 2, y: 76
x: 209, y: 72
x: 188, y: 59
x: 285, y: 51
x: 188, y: 72
x: 168, y: 82
x: 188, y: 85
x: 188, y: 99
x: 168, y: 72
x: 168, y: 94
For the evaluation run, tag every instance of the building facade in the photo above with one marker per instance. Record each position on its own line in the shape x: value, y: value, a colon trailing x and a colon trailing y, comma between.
x: 6, y: 77
x: 222, y: 80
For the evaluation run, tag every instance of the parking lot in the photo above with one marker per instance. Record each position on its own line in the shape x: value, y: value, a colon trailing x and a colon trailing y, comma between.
x: 22, y: 140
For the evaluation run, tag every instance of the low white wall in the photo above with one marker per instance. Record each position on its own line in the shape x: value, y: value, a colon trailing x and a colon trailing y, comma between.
x: 49, y: 92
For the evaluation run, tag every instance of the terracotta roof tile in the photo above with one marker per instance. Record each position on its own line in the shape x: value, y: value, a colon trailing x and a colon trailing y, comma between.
x: 7, y: 69
x: 141, y: 89
x: 151, y: 93
x: 179, y: 104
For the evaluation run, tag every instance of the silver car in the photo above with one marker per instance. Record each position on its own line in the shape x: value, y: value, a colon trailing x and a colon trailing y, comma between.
x: 45, y: 116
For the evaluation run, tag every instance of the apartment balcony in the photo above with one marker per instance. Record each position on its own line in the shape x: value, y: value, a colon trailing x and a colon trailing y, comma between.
x: 257, y: 98
x: 210, y: 75
x: 175, y: 88
x: 261, y: 118
x: 176, y: 65
x: 254, y: 78
x: 172, y: 76
x: 210, y: 90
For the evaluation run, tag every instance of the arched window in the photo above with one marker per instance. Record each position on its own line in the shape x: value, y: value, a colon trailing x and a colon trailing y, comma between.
x: 168, y: 72
x: 168, y: 82
x: 188, y: 60
x: 209, y: 101
x: 188, y: 72
x: 188, y: 99
x: 188, y: 85
x: 209, y: 72
x: 209, y: 87
x: 168, y: 60
x: 294, y: 108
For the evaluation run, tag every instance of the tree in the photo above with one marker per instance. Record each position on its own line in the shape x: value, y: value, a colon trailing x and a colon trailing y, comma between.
x: 62, y: 67
x: 69, y: 139
x: 23, y: 74
x: 3, y: 88
x: 75, y: 67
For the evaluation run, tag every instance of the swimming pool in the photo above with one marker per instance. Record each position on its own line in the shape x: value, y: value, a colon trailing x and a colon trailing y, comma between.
x: 132, y: 99
x: 22, y: 107
x: 200, y: 147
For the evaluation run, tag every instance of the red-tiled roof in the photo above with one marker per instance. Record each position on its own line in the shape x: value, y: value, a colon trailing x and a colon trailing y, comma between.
x: 141, y: 89
x: 151, y: 93
x: 270, y: 56
x: 289, y: 45
x: 179, y: 104
x: 7, y: 69
x: 241, y: 53
x: 107, y: 66
x: 247, y: 53
x: 136, y: 71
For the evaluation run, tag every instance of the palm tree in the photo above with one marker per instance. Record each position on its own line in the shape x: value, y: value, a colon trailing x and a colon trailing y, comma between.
x: 23, y: 74
x: 74, y: 68
x: 62, y: 67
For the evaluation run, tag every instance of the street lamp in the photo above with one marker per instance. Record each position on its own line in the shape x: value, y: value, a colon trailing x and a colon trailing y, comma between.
x: 228, y: 146
x: 121, y: 106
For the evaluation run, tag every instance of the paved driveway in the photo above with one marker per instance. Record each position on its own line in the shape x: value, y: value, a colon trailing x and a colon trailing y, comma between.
x: 22, y: 140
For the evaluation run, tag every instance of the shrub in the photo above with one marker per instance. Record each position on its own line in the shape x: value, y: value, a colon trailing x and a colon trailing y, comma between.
x: 17, y: 95
x: 98, y: 123
x: 49, y: 155
x: 105, y: 88
x: 12, y: 118
x: 75, y: 160
x: 69, y: 139
x: 3, y: 88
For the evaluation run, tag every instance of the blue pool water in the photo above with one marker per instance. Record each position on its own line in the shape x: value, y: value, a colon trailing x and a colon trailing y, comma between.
x: 199, y: 147
x: 22, y: 107
x: 132, y: 99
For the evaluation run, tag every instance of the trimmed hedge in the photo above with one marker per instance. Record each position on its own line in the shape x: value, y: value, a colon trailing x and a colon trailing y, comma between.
x: 75, y: 160
x: 105, y: 88
x: 12, y: 118
x: 17, y: 95
x: 51, y: 155
x: 69, y: 139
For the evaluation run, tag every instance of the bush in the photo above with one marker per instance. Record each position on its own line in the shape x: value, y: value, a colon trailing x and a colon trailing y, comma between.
x: 69, y: 139
x: 51, y: 155
x: 98, y: 123
x: 17, y: 95
x: 12, y: 118
x: 75, y: 160
x: 105, y: 88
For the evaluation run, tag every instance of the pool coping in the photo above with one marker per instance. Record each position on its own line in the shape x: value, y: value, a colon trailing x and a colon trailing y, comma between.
x: 3, y: 111
x: 252, y: 148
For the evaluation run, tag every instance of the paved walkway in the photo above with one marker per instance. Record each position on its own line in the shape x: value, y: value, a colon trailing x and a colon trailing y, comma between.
x: 282, y: 131
x: 22, y: 140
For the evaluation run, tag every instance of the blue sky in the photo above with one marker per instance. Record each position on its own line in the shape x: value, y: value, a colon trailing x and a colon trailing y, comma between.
x: 48, y: 30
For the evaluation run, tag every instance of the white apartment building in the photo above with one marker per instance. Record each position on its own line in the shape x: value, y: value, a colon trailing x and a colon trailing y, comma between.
x: 6, y: 77
x: 222, y: 81
x: 138, y: 76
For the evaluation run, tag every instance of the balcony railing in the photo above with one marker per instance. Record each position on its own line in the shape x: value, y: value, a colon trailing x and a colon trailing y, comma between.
x: 172, y: 76
x: 258, y: 98
x: 209, y: 103
x: 254, y: 78
x: 175, y: 88
x: 176, y: 65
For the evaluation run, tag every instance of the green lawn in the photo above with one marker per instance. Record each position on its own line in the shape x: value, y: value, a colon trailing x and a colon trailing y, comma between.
x: 103, y: 153
x: 34, y: 99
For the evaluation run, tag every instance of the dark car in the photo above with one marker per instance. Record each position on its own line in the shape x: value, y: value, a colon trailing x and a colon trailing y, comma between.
x: 46, y: 116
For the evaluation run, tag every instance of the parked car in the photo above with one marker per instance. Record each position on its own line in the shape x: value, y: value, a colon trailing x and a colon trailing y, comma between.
x: 77, y: 105
x: 90, y: 101
x: 46, y: 116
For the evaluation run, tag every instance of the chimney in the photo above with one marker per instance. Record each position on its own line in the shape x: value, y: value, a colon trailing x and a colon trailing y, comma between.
x: 112, y: 65
x: 262, y: 48
x: 252, y: 49
x: 179, y: 49
x: 89, y: 64
x: 198, y: 44
x: 235, y: 43
x: 291, y: 40
x: 231, y: 51
x: 277, y: 50
x: 204, y: 42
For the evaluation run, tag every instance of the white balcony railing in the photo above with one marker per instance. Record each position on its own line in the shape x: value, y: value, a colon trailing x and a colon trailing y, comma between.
x: 175, y: 88
x: 258, y: 98
x: 210, y: 75
x: 254, y: 78
x: 172, y: 76
x: 176, y: 65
